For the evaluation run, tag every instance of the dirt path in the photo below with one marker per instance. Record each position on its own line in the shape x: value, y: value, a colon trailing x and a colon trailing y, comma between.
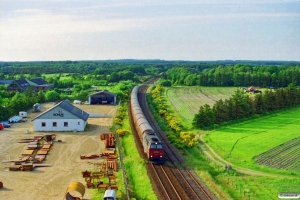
x: 51, y: 182
x: 212, y: 155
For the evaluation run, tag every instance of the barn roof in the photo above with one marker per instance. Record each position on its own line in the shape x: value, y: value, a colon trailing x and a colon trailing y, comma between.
x: 103, y: 92
x: 39, y: 81
x: 66, y: 105
x: 22, y: 83
x: 4, y: 82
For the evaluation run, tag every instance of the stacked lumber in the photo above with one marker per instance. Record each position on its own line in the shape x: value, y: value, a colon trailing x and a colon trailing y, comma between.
x: 34, y: 154
x: 108, y: 164
x: 109, y: 140
x: 90, y: 156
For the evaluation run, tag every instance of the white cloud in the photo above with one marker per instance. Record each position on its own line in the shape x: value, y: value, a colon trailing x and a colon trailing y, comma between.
x: 63, y: 29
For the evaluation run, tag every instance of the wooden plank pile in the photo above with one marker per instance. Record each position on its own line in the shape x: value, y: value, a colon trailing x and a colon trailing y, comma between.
x: 35, y: 152
x: 109, y: 140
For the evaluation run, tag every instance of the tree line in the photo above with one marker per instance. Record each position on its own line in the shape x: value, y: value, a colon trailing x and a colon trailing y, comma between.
x: 242, y: 105
x: 12, y: 70
x: 11, y: 103
x: 236, y: 75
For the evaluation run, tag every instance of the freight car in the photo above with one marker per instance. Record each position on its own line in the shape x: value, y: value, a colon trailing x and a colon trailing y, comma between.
x: 152, y: 145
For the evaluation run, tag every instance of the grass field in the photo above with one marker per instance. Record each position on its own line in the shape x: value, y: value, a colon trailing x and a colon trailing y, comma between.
x: 285, y: 156
x: 187, y: 100
x: 240, y: 143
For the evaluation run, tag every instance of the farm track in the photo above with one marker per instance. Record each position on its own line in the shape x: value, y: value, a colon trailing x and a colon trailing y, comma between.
x: 212, y: 155
x: 184, y: 180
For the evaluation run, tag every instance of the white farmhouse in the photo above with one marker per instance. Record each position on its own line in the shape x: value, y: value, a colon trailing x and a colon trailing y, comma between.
x: 61, y: 117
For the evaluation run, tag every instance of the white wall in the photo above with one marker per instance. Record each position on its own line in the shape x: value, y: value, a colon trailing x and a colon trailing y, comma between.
x: 72, y: 125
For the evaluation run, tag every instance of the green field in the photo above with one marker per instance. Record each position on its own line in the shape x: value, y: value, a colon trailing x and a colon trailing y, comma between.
x: 187, y: 100
x: 240, y: 143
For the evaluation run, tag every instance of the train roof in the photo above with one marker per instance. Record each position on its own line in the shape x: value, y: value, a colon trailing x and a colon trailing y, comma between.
x: 145, y: 127
x: 152, y: 138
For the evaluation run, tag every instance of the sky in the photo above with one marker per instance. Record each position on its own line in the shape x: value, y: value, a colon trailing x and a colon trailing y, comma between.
x: 202, y: 30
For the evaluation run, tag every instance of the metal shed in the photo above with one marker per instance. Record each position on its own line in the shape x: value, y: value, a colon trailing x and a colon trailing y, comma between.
x: 103, y: 97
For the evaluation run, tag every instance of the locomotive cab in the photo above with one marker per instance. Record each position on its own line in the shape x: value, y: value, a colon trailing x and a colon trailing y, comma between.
x: 155, y: 151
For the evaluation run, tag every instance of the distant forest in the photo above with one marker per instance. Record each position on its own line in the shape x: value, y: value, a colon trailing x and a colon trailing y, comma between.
x: 189, y: 73
x: 82, y: 75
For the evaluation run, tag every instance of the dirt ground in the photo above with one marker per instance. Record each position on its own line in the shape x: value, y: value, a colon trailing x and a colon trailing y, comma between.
x: 51, y: 183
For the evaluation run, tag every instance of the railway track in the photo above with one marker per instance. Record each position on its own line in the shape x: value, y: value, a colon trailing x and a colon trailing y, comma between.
x: 171, y: 180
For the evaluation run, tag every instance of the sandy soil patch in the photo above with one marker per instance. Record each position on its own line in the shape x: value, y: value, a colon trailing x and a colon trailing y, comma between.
x: 51, y: 182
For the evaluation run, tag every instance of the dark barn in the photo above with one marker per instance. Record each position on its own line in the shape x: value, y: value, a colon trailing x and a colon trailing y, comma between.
x: 103, y: 97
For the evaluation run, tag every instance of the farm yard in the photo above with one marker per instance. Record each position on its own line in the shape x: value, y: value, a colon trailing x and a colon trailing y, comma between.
x: 65, y: 158
x: 187, y: 100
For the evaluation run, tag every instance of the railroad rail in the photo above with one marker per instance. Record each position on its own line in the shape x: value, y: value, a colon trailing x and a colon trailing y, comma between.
x: 171, y: 180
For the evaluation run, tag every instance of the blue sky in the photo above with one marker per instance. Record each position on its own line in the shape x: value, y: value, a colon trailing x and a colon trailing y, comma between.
x: 170, y: 30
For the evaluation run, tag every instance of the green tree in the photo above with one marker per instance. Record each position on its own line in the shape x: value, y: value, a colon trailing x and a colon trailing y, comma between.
x: 241, y: 106
x: 52, y: 95
x: 82, y: 95
x: 204, y: 118
x: 41, y: 98
x: 220, y: 112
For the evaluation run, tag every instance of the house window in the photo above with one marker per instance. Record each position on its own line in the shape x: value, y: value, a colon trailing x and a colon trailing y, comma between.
x: 65, y: 124
x: 78, y: 123
x: 43, y: 124
x: 54, y: 124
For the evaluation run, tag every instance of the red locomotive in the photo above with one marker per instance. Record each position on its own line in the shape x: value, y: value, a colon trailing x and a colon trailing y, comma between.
x: 152, y: 145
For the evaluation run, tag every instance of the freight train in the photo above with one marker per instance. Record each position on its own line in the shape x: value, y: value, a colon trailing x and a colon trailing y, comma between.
x: 152, y: 145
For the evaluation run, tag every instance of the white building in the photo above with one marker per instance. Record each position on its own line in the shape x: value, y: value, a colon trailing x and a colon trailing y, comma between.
x: 61, y: 117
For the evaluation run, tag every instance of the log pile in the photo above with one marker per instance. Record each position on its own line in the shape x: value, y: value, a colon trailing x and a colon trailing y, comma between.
x: 109, y: 140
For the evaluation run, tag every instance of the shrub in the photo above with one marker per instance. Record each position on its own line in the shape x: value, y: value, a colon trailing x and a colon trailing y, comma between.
x: 118, y: 121
x: 188, y: 139
x: 162, y: 113
x: 122, y: 132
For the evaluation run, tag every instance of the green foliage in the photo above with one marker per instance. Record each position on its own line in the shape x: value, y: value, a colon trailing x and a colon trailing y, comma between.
x: 241, y: 106
x: 204, y: 118
x: 189, y: 139
x: 118, y: 121
x: 234, y: 75
x: 165, y: 83
x: 122, y: 132
x: 52, y: 95
x: 180, y: 139
x: 82, y: 95
x: 41, y: 98
x: 18, y: 102
x: 162, y: 113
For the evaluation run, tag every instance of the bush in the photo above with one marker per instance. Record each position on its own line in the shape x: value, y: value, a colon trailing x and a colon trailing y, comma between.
x: 122, y: 132
x: 162, y: 112
x: 118, y: 121
x: 188, y: 139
